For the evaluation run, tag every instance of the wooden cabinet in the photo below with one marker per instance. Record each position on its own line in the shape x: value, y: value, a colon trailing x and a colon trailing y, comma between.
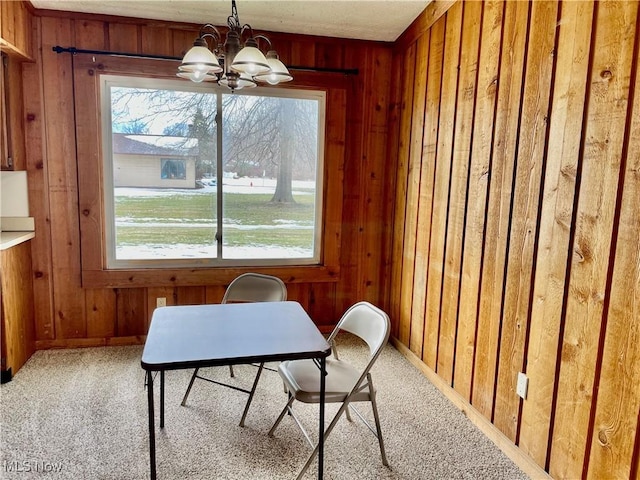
x: 6, y: 161
x: 16, y: 23
x: 16, y: 297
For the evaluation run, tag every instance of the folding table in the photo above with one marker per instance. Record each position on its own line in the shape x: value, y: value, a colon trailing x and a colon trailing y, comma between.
x: 199, y: 336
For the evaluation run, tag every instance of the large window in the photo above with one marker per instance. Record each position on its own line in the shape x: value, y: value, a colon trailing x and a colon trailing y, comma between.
x: 195, y: 175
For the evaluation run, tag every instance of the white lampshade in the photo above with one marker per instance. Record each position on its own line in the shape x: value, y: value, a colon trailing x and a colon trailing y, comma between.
x: 244, y: 81
x: 200, y: 59
x: 251, y: 61
x: 279, y: 72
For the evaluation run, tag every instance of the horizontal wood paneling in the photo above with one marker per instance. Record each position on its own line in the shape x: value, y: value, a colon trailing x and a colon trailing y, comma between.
x: 532, y: 239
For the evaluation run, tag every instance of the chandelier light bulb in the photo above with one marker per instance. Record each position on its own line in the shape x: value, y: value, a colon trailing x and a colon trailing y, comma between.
x: 198, y: 75
x: 272, y: 79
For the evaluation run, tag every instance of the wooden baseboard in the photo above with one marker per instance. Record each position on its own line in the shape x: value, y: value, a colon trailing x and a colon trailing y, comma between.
x: 526, y: 463
x: 90, y: 342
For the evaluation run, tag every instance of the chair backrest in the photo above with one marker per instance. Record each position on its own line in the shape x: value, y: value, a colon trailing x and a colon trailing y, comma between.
x: 255, y: 287
x: 367, y: 322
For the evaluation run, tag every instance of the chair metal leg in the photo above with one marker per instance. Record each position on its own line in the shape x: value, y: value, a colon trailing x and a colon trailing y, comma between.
x: 231, y: 371
x: 281, y: 416
x: 253, y: 390
x: 344, y: 408
x: 348, y: 414
x: 193, y: 377
x: 333, y: 423
x: 374, y: 406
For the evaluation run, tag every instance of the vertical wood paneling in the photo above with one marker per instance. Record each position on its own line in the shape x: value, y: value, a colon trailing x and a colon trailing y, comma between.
x: 487, y: 89
x: 524, y: 213
x: 353, y: 231
x: 361, y: 264
x: 35, y: 144
x: 396, y: 312
x: 156, y: 40
x: 69, y: 304
x: 498, y: 209
x: 446, y: 122
x: 544, y: 266
x: 298, y: 292
x: 618, y: 403
x: 375, y: 179
x: 465, y: 106
x: 321, y: 305
x: 595, y: 425
x: 87, y: 108
x: 181, y: 42
x: 190, y: 295
x: 604, y: 138
x: 63, y: 210
x: 413, y: 197
x: 131, y: 311
x: 101, y: 312
x: 427, y: 180
x: 214, y: 294
x: 124, y: 37
x: 563, y: 154
x: 335, y: 148
x: 393, y: 247
x: 90, y: 34
x: 302, y: 52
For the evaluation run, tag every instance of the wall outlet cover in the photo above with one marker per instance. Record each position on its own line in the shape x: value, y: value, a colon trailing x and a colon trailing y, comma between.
x: 522, y: 385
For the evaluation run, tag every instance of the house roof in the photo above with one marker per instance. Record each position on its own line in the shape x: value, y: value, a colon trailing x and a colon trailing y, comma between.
x: 124, y: 143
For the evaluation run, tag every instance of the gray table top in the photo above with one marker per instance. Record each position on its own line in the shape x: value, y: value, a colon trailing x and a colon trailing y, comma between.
x: 227, y: 334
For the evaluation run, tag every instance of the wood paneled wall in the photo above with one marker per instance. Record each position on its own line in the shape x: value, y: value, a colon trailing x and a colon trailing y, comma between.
x: 509, y: 163
x: 516, y: 241
x: 68, y: 312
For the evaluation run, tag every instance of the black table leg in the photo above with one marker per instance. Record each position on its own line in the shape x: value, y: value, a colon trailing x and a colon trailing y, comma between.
x: 323, y: 374
x: 152, y: 429
x: 161, y: 398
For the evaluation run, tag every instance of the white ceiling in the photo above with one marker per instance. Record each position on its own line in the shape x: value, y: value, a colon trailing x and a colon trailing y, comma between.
x: 361, y: 19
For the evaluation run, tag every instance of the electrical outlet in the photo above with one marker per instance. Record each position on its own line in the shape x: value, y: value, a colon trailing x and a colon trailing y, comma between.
x: 522, y: 385
x: 161, y: 302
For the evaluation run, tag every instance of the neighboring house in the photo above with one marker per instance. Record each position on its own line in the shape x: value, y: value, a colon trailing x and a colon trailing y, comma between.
x: 156, y: 161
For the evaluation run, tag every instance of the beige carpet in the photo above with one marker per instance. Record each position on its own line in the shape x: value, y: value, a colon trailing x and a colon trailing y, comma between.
x: 82, y: 414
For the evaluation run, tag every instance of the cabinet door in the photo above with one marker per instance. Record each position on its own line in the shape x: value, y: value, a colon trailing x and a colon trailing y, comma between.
x: 5, y: 138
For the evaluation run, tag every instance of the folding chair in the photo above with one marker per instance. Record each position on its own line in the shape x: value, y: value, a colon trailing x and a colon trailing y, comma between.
x: 247, y: 288
x: 344, y: 382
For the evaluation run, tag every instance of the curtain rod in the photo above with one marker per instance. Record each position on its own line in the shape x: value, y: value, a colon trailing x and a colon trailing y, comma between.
x: 74, y: 50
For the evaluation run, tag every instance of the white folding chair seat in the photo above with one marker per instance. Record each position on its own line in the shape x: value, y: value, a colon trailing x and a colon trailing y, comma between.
x: 344, y: 383
x: 247, y: 288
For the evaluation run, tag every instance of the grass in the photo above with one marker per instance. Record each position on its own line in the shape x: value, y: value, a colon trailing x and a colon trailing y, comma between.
x: 191, y: 219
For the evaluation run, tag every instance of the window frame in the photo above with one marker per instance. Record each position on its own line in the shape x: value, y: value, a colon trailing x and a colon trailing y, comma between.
x: 87, y: 70
x: 113, y: 263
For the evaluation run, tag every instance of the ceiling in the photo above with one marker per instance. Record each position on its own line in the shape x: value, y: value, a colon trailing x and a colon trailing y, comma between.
x: 360, y: 19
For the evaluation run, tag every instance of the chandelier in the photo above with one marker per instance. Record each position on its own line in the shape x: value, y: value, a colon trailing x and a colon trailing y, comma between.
x: 238, y: 66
